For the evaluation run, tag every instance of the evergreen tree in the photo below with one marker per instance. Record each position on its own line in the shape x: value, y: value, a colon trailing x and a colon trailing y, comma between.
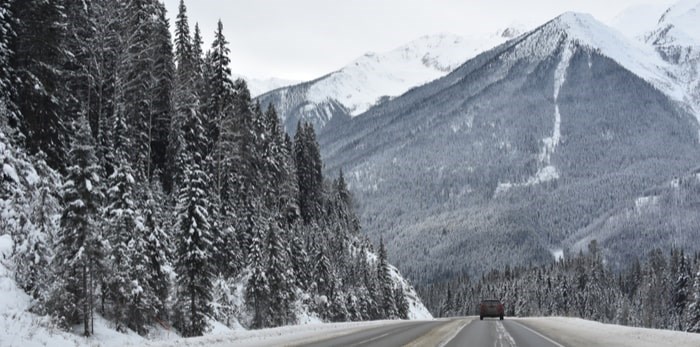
x: 135, y: 80
x: 680, y: 291
x: 258, y: 289
x: 37, y: 60
x: 163, y: 85
x: 280, y: 277
x: 79, y: 249
x: 185, y: 99
x: 222, y: 127
x: 402, y: 307
x: 158, y: 247
x: 386, y: 284
x: 693, y: 312
x: 310, y: 179
x: 195, y: 241
x: 7, y: 35
x: 121, y: 216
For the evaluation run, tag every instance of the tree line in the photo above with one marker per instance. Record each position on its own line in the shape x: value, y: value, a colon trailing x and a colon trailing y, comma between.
x: 142, y: 182
x: 663, y: 292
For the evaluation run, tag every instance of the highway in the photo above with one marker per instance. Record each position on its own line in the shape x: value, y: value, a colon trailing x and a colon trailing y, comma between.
x: 462, y: 332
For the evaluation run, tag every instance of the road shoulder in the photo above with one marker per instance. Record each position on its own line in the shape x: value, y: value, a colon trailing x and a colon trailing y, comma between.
x: 575, y: 332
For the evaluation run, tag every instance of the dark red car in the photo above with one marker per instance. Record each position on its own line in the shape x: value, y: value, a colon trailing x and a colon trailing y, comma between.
x: 491, y: 308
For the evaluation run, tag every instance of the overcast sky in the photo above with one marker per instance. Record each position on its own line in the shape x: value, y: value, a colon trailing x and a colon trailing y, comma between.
x: 304, y: 39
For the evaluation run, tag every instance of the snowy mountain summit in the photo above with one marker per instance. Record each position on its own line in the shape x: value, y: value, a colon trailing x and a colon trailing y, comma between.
x: 679, y: 25
x: 582, y: 30
x: 677, y: 40
x: 377, y: 77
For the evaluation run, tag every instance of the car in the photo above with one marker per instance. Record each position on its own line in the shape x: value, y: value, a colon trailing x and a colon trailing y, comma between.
x: 491, y: 308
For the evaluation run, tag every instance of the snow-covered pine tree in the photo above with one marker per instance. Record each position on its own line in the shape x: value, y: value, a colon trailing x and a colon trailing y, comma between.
x: 193, y: 264
x: 245, y: 193
x: 163, y: 85
x: 309, y: 176
x: 185, y: 99
x: 80, y: 66
x: 79, y: 250
x: 258, y: 289
x: 323, y: 273
x: 402, y: 307
x: 218, y: 105
x: 198, y: 63
x: 37, y: 60
x: 7, y: 35
x: 158, y: 246
x: 134, y: 301
x: 692, y: 320
x: 386, y: 284
x: 134, y: 99
x: 121, y: 222
x: 105, y: 46
x: 33, y: 254
x: 280, y: 277
x: 680, y: 292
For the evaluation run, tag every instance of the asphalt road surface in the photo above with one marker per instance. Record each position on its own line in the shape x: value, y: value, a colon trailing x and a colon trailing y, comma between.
x: 463, y: 332
x: 497, y: 333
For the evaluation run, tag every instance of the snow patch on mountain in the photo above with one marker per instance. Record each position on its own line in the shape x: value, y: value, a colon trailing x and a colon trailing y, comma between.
x: 360, y: 85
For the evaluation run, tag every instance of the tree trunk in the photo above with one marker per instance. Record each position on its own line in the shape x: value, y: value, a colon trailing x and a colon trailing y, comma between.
x: 86, y: 314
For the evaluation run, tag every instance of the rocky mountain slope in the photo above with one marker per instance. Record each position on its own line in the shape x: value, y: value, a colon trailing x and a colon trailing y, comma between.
x: 377, y: 77
x: 505, y: 159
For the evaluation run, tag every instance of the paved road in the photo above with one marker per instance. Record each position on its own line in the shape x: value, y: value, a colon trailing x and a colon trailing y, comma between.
x: 464, y: 332
x: 392, y: 335
x: 506, y: 333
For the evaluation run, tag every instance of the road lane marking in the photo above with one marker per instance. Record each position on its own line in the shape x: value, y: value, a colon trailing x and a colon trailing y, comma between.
x: 372, y: 339
x: 456, y: 332
x: 503, y: 337
x: 540, y: 335
x: 436, y: 336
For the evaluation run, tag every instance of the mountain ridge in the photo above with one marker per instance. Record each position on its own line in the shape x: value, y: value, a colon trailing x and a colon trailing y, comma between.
x: 572, y: 130
x: 377, y: 77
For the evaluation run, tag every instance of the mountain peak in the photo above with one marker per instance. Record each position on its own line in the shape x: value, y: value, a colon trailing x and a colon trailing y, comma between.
x: 571, y: 30
x: 679, y: 25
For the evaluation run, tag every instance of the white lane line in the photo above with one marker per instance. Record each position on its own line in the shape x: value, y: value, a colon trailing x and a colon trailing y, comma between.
x: 454, y: 334
x: 540, y: 335
x: 503, y: 339
x: 372, y: 339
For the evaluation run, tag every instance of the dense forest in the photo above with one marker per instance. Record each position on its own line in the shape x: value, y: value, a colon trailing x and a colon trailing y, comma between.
x: 663, y: 292
x: 141, y: 182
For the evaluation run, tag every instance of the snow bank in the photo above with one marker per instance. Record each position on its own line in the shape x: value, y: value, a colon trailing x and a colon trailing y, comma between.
x: 575, y: 332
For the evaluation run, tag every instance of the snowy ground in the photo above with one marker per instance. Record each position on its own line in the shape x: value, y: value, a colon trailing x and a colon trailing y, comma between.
x: 575, y: 332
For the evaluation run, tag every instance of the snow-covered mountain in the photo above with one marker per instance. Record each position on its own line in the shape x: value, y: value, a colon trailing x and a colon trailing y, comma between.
x: 258, y: 86
x: 677, y: 39
x: 639, y: 20
x: 504, y: 159
x: 377, y: 77
x: 674, y: 32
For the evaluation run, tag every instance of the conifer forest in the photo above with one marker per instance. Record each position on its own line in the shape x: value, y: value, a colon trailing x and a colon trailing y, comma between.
x: 142, y: 183
x: 151, y: 193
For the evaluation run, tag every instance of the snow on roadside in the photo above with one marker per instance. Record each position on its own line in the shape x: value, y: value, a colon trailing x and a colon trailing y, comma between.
x: 576, y: 332
x: 287, y: 335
